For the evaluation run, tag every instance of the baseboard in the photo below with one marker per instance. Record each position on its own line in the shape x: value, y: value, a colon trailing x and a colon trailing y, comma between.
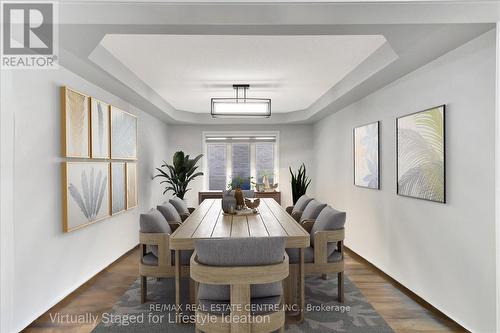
x: 67, y: 294
x: 422, y: 302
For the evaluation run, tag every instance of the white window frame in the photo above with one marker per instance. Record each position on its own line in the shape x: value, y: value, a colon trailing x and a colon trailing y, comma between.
x: 206, y: 134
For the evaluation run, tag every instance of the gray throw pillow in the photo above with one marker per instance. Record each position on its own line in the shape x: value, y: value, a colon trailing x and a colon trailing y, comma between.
x: 301, y: 204
x: 179, y: 205
x: 154, y: 222
x: 169, y: 212
x: 312, y: 210
x: 328, y: 219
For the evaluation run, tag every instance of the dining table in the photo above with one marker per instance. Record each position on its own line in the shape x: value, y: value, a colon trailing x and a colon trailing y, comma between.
x: 208, y: 221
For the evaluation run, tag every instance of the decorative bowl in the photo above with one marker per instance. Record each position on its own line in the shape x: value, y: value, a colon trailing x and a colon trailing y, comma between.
x: 252, y: 204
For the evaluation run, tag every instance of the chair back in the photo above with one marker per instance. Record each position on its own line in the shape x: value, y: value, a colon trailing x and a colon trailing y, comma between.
x: 255, y: 260
x: 235, y: 270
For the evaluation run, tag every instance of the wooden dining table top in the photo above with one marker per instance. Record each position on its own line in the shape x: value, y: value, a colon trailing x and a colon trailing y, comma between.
x: 208, y: 221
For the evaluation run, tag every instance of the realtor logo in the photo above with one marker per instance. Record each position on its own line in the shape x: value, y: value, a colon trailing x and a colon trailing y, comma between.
x: 28, y: 38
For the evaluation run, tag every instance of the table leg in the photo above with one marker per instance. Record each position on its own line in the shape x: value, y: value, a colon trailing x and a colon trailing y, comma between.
x: 302, y: 293
x: 177, y: 281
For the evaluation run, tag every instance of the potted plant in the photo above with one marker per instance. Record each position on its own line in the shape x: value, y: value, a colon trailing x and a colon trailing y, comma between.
x: 300, y: 182
x: 179, y: 174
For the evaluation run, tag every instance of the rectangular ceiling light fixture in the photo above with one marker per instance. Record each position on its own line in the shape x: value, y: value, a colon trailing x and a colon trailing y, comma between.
x: 241, y: 107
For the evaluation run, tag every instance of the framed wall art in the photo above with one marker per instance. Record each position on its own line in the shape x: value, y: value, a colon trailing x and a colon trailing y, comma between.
x: 123, y: 135
x: 99, y: 124
x: 421, y: 155
x: 366, y: 156
x: 75, y: 124
x: 118, y: 187
x: 131, y: 185
x: 85, y: 193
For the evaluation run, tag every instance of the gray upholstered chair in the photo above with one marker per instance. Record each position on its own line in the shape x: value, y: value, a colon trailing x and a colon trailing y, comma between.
x: 326, y: 253
x: 156, y: 259
x: 240, y: 274
x: 297, y: 209
x: 181, y: 207
x: 170, y: 214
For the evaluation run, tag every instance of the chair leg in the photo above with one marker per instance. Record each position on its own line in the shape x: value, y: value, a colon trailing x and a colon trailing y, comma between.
x: 192, y: 291
x: 324, y: 276
x: 340, y: 277
x: 144, y: 288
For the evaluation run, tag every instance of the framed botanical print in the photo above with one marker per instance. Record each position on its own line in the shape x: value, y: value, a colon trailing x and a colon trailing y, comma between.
x: 131, y: 185
x: 75, y: 124
x: 421, y: 155
x: 85, y: 193
x: 99, y: 124
x: 366, y: 156
x: 123, y: 135
x: 118, y: 187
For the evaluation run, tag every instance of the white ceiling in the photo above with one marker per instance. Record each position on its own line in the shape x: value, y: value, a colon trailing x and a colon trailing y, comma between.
x: 188, y: 70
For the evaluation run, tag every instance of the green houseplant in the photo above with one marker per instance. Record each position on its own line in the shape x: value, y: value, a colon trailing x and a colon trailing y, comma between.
x: 179, y: 174
x: 300, y: 182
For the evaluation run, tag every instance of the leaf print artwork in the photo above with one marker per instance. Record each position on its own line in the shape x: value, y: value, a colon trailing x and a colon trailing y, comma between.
x: 99, y: 116
x: 76, y: 124
x: 123, y: 134
x: 87, y: 197
x: 93, y: 193
x: 421, y: 155
x: 366, y: 156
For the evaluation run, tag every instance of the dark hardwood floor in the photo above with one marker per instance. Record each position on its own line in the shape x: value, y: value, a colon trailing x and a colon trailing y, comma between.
x: 403, y: 311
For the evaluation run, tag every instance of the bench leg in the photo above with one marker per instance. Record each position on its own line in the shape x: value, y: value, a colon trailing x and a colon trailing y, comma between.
x: 340, y: 277
x: 144, y: 288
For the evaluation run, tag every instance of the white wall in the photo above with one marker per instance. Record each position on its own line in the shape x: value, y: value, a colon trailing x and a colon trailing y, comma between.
x: 49, y: 264
x: 445, y: 253
x: 295, y: 147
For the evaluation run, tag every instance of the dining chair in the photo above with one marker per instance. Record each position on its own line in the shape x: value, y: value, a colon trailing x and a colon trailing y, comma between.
x: 297, y: 209
x: 326, y: 253
x: 156, y: 256
x: 240, y: 278
x: 181, y: 207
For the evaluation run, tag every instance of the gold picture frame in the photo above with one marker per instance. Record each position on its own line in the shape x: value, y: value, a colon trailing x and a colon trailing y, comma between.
x: 83, y: 201
x: 118, y: 188
x: 75, y: 121
x: 131, y: 176
x: 123, y: 134
x: 100, y: 129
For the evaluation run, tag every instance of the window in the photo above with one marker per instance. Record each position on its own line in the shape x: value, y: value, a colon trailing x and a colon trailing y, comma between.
x: 216, y: 166
x: 264, y: 161
x: 230, y: 156
x: 240, y: 161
